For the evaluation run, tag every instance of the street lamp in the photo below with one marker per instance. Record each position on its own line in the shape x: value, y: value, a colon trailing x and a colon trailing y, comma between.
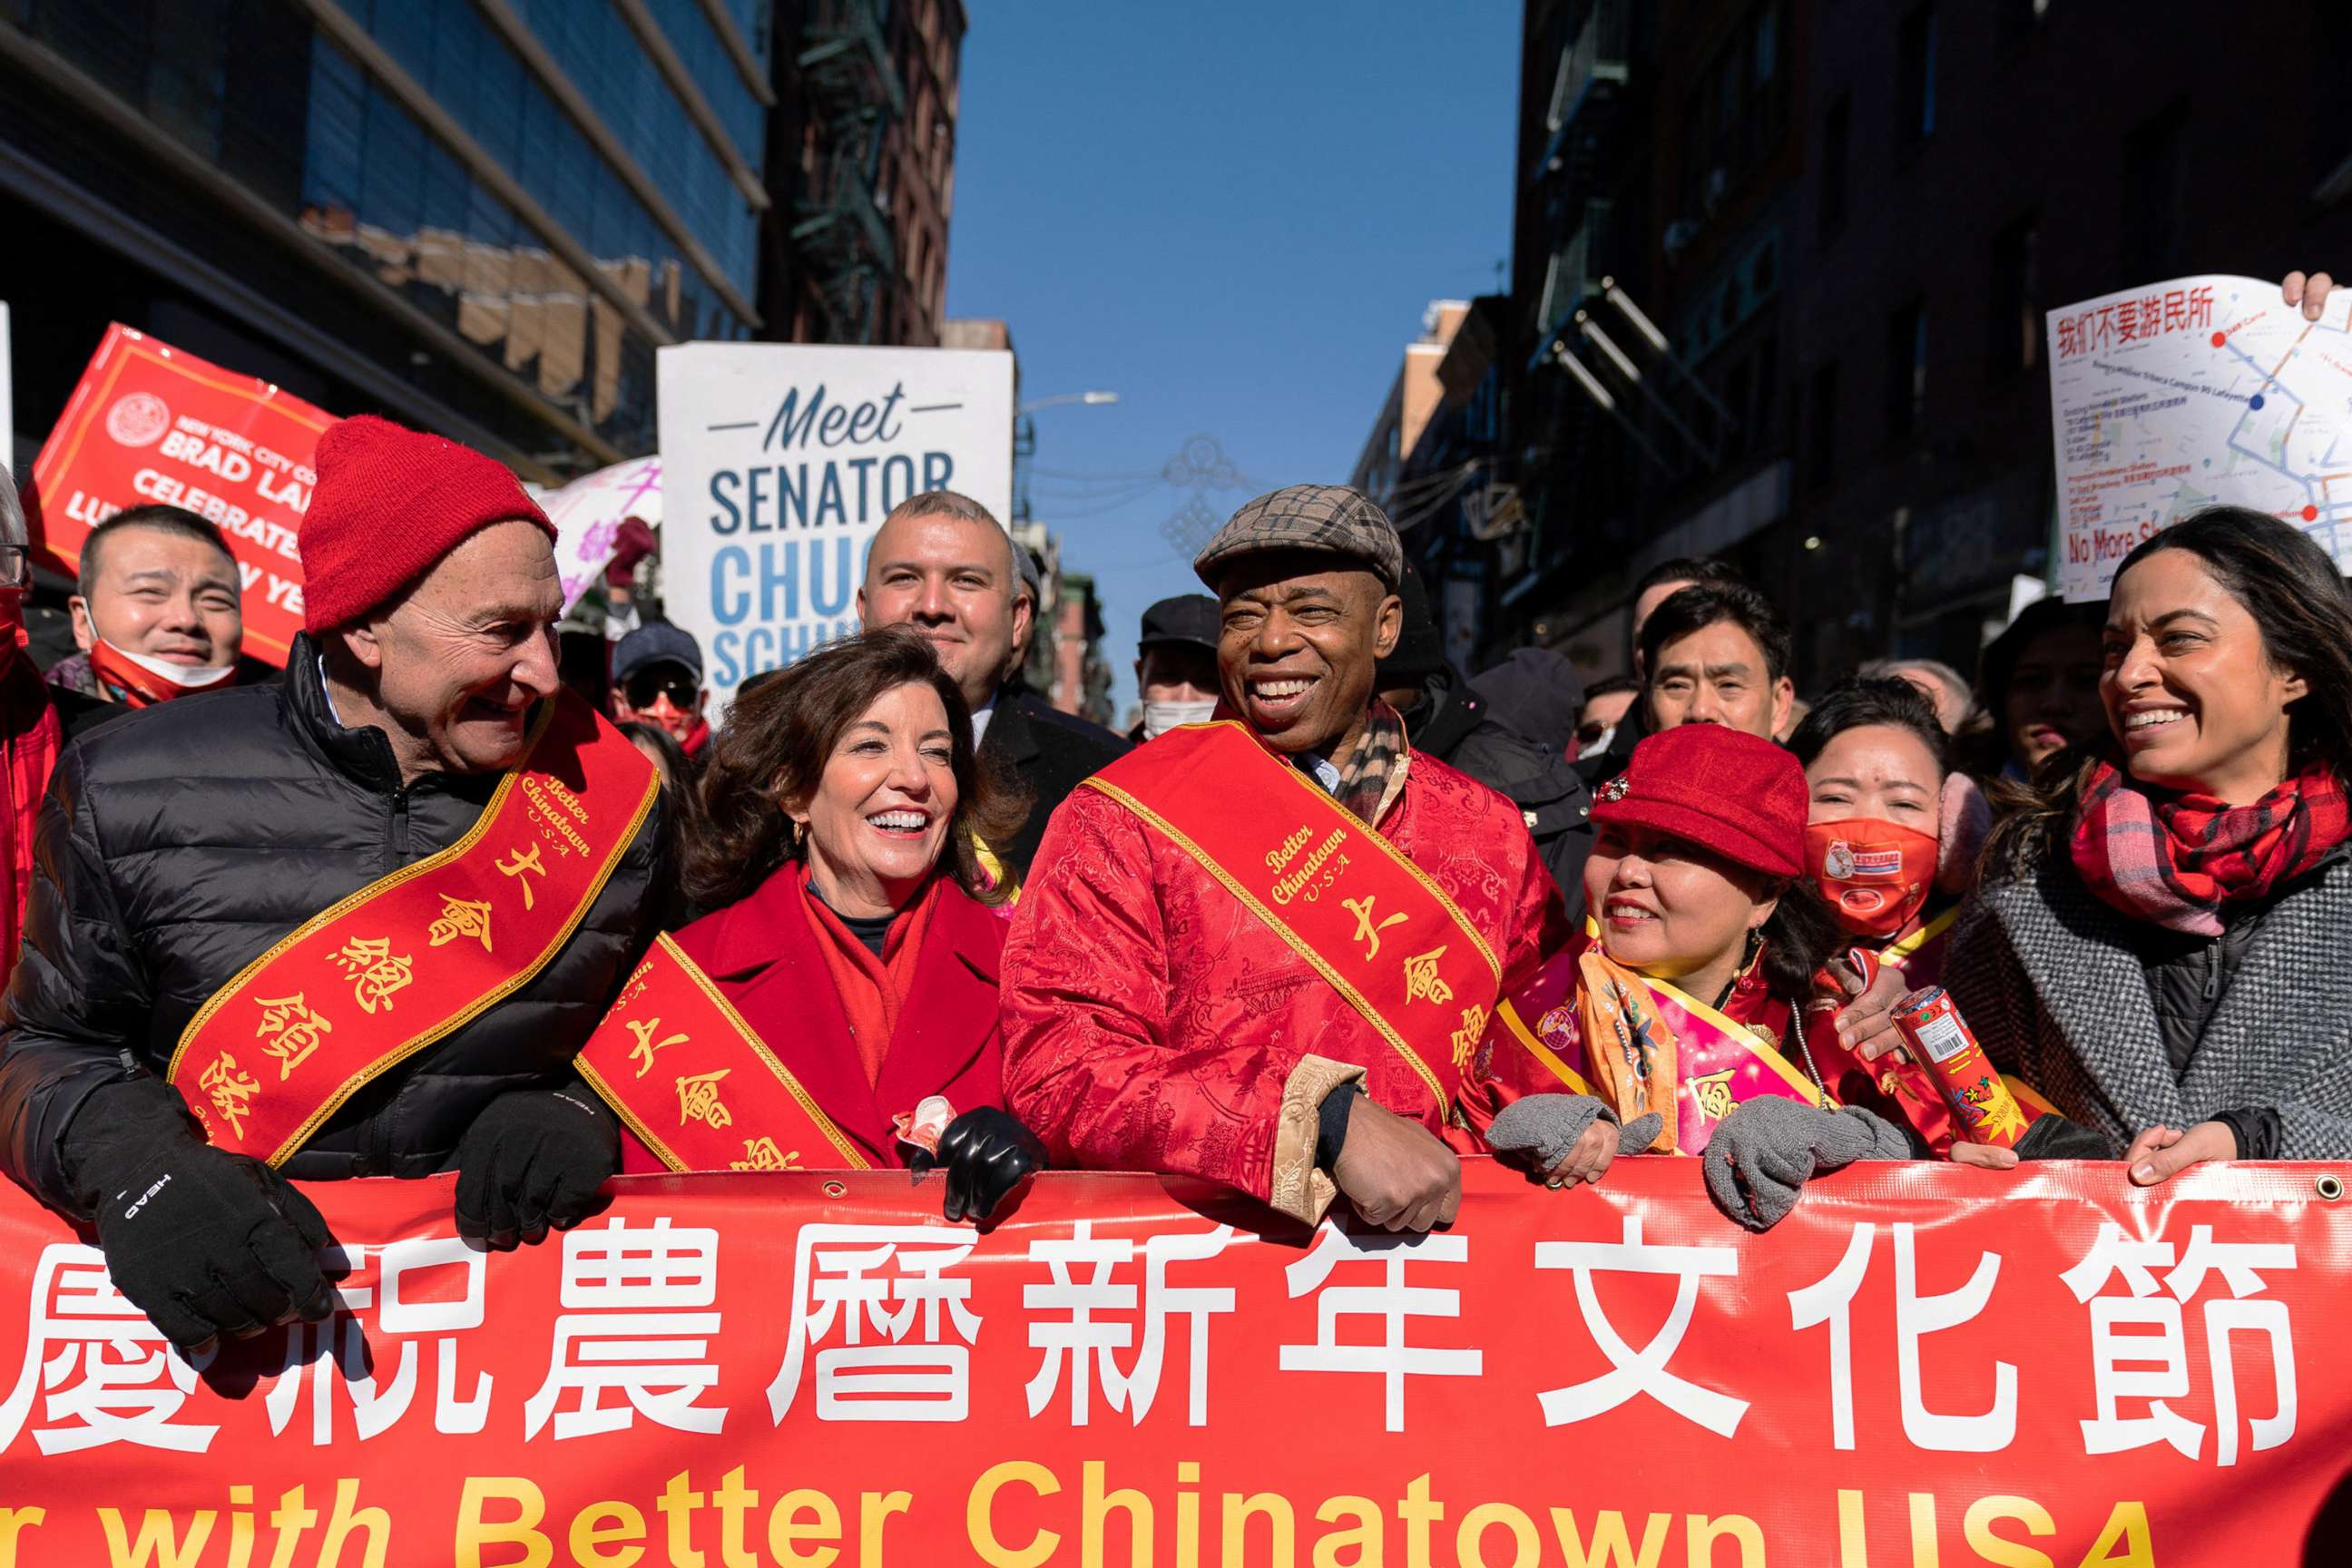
x: 1086, y: 397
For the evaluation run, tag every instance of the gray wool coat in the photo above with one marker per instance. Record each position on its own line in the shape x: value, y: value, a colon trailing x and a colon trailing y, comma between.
x: 2047, y: 977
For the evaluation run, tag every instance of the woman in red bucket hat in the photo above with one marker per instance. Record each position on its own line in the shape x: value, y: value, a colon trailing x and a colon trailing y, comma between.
x: 1677, y: 1007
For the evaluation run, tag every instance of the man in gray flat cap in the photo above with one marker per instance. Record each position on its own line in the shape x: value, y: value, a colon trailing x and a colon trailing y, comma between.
x: 1266, y: 951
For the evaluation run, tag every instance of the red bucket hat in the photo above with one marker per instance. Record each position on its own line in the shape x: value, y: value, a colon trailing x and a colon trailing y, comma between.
x: 1725, y: 790
x: 390, y: 503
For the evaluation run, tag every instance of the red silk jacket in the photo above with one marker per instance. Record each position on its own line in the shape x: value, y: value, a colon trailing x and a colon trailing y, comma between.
x: 1153, y: 1023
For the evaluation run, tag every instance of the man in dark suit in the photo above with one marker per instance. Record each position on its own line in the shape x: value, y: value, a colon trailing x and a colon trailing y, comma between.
x: 942, y: 564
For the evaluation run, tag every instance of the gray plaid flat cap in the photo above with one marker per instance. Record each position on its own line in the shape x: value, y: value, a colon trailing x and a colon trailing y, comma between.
x: 1309, y: 517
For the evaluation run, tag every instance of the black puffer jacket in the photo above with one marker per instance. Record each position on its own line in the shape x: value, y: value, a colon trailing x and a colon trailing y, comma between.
x: 1451, y: 722
x: 178, y: 844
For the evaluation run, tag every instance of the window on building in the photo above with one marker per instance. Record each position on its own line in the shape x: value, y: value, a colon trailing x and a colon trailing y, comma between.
x: 1821, y: 418
x: 2151, y: 227
x: 1738, y: 393
x: 1836, y: 127
x: 1914, y: 97
x: 1906, y: 370
x: 1738, y: 110
x: 2015, y: 325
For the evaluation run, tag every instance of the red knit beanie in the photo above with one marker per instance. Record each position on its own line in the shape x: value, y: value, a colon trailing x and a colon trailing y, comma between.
x: 1725, y: 790
x: 390, y: 503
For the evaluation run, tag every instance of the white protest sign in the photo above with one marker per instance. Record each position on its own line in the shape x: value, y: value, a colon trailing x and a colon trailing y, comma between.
x: 588, y: 513
x: 781, y: 460
x: 2198, y: 392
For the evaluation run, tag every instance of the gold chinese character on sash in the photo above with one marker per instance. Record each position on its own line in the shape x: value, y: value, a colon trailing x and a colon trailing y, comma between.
x: 1420, y: 979
x: 522, y: 861
x: 642, y: 1053
x: 698, y: 1099
x: 288, y: 1031
x: 1713, y: 1093
x: 761, y: 1154
x: 460, y: 918
x: 1466, y: 1037
x: 1366, y: 930
x: 374, y: 972
x: 232, y: 1090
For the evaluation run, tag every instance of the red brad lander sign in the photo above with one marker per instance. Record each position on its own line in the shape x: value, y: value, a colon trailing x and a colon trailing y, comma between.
x: 150, y: 423
x: 1924, y: 1365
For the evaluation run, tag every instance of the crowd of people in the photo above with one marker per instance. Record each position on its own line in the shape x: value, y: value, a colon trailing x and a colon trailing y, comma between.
x: 1332, y: 915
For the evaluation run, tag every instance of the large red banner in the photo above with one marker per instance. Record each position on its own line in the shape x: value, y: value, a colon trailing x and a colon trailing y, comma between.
x: 152, y: 422
x: 1925, y: 1365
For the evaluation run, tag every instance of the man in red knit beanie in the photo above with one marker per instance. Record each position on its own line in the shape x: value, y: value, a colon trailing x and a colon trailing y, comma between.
x: 355, y: 922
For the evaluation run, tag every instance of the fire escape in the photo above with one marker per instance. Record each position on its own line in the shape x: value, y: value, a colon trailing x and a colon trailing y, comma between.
x: 841, y: 223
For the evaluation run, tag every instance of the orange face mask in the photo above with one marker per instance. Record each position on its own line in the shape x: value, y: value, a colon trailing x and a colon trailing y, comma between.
x: 1872, y: 874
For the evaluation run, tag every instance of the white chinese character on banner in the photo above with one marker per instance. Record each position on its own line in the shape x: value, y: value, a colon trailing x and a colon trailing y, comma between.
x: 101, y: 1370
x: 1392, y: 1302
x: 881, y: 1288
x: 1645, y: 1371
x: 1084, y: 1338
x: 1830, y: 1299
x: 2154, y: 1365
x: 346, y: 1352
x: 635, y: 1341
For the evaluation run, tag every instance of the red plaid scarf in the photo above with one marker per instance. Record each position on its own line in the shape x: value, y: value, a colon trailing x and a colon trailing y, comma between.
x: 2174, y: 859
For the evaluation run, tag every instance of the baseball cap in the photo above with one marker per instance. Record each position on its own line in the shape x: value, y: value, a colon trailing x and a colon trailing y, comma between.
x: 656, y: 644
x: 1189, y: 619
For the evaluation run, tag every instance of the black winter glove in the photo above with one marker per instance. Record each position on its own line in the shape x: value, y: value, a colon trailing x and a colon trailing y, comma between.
x: 532, y: 1158
x: 2056, y: 1137
x: 987, y: 1153
x: 1762, y: 1155
x: 204, y: 1242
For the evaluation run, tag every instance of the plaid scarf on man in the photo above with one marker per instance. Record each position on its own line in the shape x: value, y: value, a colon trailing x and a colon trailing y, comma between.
x: 2174, y: 859
x: 1364, y: 777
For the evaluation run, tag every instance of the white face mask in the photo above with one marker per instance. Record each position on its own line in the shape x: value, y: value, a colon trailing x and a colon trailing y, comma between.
x: 1600, y: 745
x: 1159, y: 718
x: 189, y: 677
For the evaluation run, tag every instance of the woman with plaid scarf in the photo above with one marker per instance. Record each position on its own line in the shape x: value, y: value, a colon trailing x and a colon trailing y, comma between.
x: 2159, y: 942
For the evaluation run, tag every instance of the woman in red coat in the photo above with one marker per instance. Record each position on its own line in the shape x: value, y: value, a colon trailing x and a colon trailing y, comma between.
x: 839, y: 1007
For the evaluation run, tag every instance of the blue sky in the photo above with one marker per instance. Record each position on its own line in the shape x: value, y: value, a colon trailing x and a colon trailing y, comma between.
x: 1231, y: 214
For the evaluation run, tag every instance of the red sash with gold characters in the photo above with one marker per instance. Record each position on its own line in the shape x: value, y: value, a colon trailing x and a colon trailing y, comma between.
x: 696, y: 1084
x: 410, y: 959
x: 1370, y: 920
x: 1643, y: 1044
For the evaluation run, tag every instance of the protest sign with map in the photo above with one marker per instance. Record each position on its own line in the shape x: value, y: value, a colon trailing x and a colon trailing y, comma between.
x: 2176, y: 397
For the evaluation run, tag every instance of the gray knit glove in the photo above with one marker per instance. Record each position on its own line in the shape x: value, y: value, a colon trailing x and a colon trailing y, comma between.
x: 1537, y: 1133
x: 1767, y: 1149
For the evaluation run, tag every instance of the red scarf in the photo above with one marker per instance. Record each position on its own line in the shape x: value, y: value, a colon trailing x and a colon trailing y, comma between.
x: 2174, y: 859
x: 31, y: 736
x: 872, y: 990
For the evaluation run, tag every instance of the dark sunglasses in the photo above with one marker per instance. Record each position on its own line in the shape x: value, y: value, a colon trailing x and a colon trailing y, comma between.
x: 645, y: 686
